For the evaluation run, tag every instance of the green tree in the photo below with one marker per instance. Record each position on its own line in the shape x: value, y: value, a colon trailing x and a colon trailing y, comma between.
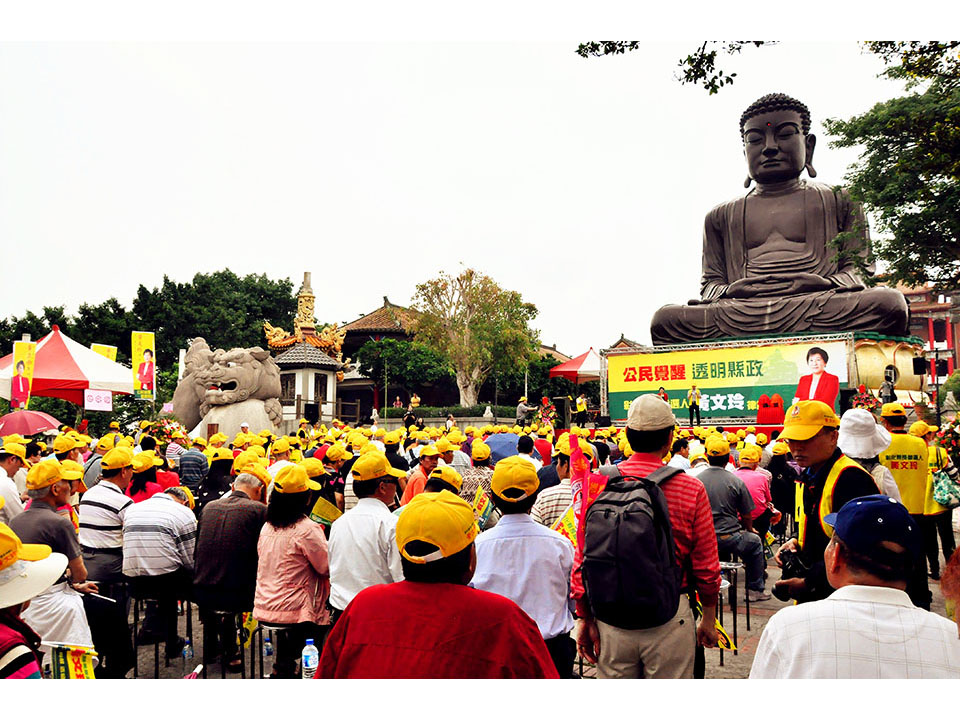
x: 908, y: 175
x: 409, y: 365
x: 225, y: 309
x: 475, y: 325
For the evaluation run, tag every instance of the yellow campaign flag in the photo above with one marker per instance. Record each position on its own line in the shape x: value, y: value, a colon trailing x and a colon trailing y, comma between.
x: 482, y: 507
x: 324, y: 512
x: 72, y: 662
x: 723, y: 639
x: 21, y: 384
x: 566, y: 525
x: 246, y: 631
x: 770, y: 538
x: 108, y: 351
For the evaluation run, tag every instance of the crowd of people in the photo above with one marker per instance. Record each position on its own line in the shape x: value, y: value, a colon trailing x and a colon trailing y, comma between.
x: 434, y: 552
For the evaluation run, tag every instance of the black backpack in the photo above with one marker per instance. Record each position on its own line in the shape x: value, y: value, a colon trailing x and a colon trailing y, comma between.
x: 630, y: 570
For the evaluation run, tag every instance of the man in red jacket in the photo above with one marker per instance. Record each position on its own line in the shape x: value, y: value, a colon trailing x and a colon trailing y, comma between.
x: 431, y: 625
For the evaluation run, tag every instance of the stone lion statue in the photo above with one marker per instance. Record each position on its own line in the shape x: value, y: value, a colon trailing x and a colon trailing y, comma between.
x: 214, y: 380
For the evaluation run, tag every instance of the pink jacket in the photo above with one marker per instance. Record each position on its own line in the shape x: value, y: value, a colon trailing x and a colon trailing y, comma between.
x: 293, y: 574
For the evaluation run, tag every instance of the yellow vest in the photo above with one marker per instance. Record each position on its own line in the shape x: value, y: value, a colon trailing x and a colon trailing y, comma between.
x: 581, y: 406
x: 826, y: 498
x: 937, y: 460
x: 906, y: 458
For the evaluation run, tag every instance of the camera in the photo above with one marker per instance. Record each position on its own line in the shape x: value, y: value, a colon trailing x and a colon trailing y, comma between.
x: 793, y: 567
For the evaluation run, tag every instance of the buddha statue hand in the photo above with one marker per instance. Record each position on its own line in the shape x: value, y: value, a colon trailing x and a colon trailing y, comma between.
x: 777, y: 285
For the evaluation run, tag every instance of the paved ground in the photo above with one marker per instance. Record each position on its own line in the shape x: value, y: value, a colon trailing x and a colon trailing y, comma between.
x: 734, y: 666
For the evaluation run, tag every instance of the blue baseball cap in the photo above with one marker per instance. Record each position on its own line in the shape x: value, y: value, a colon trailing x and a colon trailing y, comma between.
x: 866, y: 522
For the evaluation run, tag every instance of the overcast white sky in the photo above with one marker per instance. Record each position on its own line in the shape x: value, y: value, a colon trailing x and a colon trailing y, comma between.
x: 581, y: 183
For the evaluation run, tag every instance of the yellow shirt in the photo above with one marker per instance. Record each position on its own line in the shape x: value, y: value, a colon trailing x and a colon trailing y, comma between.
x: 581, y: 405
x: 906, y: 458
x: 938, y: 460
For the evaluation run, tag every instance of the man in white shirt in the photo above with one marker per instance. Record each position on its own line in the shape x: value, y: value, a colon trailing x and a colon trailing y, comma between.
x: 12, y: 459
x: 280, y: 450
x: 363, y: 542
x: 525, y: 450
x: 681, y: 454
x: 527, y: 562
x: 868, y: 628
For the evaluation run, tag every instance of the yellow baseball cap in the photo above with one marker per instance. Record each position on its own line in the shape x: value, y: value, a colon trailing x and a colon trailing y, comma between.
x: 245, y: 458
x: 741, y: 434
x: 920, y: 428
x: 280, y: 446
x: 44, y: 474
x: 221, y: 453
x: 892, y: 410
x: 429, y: 451
x: 145, y: 460
x: 17, y: 449
x: 119, y: 457
x: 144, y: 424
x: 114, y: 425
x: 717, y: 446
x: 751, y: 429
x: 780, y: 448
x: 258, y: 471
x: 12, y: 550
x: 373, y: 466
x: 440, y: 519
x: 807, y: 418
x: 479, y: 450
x: 445, y: 446
x: 106, y: 443
x: 563, y: 446
x: 294, y: 479
x: 448, y: 475
x: 66, y: 443
x: 189, y: 493
x: 762, y: 438
x: 338, y: 452
x: 514, y: 473
x: 200, y: 440
x: 218, y: 438
x: 751, y: 453
x: 392, y: 438
x: 313, y: 466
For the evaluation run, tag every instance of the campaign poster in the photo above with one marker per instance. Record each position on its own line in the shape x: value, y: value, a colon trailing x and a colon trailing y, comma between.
x: 143, y: 355
x: 751, y: 382
x: 108, y: 351
x: 21, y: 384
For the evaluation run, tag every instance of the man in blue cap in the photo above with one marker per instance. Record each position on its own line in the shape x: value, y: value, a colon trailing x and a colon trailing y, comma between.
x: 868, y: 628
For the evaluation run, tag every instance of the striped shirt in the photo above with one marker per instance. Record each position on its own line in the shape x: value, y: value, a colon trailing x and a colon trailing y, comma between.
x: 159, y: 537
x: 102, y: 511
x: 173, y: 453
x: 193, y: 469
x: 552, y: 503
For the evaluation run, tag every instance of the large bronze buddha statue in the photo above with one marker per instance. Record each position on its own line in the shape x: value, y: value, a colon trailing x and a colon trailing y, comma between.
x: 772, y: 260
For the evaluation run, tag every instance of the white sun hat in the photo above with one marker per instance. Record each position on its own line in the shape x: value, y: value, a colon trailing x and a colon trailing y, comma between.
x: 860, y: 435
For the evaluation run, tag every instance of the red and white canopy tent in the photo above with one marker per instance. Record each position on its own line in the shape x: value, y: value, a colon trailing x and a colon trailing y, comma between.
x: 582, y: 368
x: 64, y: 369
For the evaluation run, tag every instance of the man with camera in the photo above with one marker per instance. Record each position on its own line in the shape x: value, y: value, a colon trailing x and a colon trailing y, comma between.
x: 829, y: 480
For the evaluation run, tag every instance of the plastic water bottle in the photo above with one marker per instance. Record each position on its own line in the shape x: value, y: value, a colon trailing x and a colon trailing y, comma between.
x: 309, y: 660
x: 267, y: 647
x: 187, y: 652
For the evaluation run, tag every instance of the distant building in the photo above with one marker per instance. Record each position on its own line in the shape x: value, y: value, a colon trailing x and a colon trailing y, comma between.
x: 933, y: 318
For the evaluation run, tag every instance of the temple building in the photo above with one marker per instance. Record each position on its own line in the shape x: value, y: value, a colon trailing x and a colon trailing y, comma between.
x: 311, y: 363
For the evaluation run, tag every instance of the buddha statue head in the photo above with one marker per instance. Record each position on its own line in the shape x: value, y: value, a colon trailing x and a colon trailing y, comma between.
x: 777, y: 142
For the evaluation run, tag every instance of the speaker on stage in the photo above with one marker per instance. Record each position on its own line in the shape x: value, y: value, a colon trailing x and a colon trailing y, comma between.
x: 311, y: 412
x: 603, y: 421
